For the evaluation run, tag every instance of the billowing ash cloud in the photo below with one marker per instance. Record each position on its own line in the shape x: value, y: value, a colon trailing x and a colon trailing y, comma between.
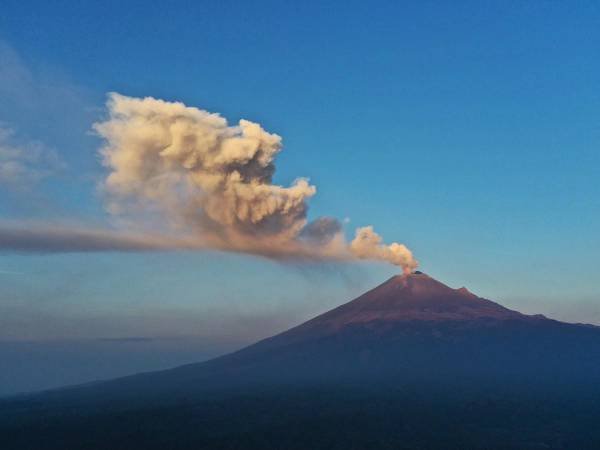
x: 189, y: 167
x: 186, y: 175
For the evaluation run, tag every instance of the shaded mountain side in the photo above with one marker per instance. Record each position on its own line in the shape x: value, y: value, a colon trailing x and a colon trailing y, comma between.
x: 411, y: 323
x: 401, y: 299
x: 409, y: 329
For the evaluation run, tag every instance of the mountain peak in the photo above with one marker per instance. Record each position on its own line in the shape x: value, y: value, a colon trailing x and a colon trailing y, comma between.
x: 414, y: 277
x: 417, y: 286
x: 415, y: 296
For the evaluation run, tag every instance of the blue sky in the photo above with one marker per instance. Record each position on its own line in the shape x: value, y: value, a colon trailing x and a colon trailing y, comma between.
x: 470, y: 132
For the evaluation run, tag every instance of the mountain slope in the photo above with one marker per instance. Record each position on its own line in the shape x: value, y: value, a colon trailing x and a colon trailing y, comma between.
x: 415, y: 297
x: 412, y: 363
x: 409, y: 328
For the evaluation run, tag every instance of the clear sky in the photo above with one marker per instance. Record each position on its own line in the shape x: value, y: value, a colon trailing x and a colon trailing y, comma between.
x: 470, y: 131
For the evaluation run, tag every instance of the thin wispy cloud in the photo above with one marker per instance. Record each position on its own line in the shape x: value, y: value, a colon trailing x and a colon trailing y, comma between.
x: 10, y: 272
x: 24, y: 163
x: 41, y: 97
x: 130, y: 339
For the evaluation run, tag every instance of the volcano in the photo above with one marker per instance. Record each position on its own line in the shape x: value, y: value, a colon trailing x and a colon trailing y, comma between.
x: 407, y: 357
x: 414, y: 297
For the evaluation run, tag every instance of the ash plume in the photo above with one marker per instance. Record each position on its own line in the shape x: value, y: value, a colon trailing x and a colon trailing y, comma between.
x: 183, y: 178
x: 368, y: 245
